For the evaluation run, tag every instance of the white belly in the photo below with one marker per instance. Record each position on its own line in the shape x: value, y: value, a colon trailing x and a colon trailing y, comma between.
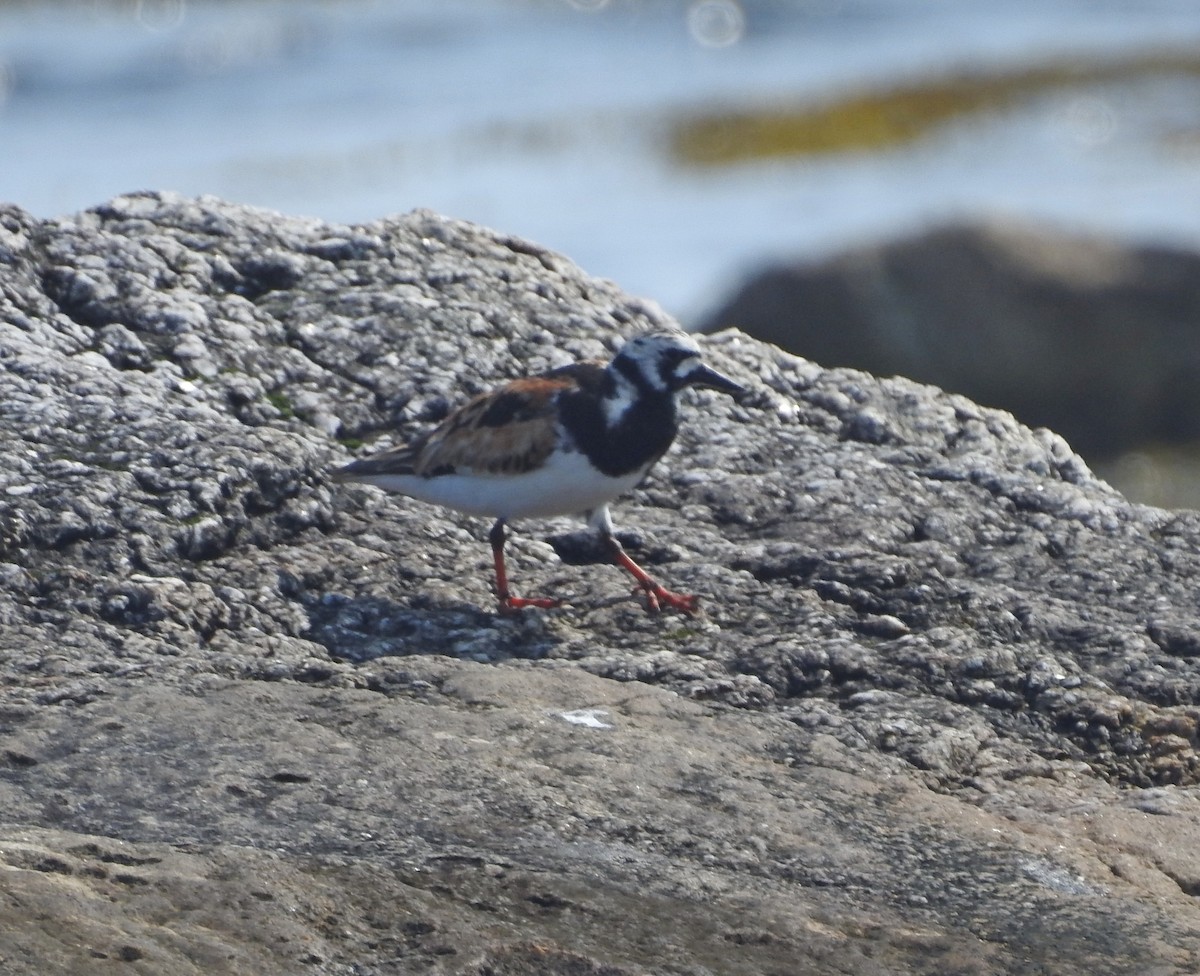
x: 565, y: 485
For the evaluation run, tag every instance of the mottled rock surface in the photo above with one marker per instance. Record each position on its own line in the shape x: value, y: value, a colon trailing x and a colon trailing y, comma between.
x: 940, y: 715
x: 1098, y: 340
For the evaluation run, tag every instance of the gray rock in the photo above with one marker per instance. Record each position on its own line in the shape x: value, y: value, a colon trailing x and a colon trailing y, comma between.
x: 940, y: 715
x: 1096, y: 340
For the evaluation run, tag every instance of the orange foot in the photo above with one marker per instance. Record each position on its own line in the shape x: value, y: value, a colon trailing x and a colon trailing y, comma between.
x: 511, y: 605
x: 658, y: 597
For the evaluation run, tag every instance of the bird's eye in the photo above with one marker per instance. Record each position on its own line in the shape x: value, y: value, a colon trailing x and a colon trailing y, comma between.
x: 682, y: 363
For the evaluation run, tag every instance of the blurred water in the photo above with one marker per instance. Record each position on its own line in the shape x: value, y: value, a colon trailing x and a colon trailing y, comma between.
x: 547, y: 119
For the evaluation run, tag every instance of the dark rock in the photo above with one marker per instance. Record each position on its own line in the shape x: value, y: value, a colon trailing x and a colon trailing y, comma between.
x: 941, y: 714
x: 1097, y: 341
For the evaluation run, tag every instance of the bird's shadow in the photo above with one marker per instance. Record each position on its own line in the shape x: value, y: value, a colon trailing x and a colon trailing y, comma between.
x: 363, y: 628
x: 585, y: 548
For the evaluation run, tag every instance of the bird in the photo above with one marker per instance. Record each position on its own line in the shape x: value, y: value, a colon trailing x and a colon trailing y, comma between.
x: 564, y: 442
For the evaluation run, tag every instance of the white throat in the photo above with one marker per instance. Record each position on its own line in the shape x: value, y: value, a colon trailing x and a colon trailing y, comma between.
x: 621, y: 400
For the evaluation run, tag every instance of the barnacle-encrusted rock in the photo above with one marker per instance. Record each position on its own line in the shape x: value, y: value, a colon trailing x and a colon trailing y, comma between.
x: 940, y: 716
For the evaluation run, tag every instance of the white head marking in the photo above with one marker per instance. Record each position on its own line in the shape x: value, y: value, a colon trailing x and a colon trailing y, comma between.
x: 662, y: 359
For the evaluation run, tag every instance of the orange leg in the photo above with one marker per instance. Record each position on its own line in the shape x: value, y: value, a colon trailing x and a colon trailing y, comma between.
x: 509, y: 603
x: 657, y: 596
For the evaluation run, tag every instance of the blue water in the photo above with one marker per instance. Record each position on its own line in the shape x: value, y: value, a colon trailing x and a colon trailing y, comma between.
x: 546, y: 119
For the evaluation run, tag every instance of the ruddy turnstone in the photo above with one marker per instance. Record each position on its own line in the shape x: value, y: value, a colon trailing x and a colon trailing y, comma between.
x: 565, y: 442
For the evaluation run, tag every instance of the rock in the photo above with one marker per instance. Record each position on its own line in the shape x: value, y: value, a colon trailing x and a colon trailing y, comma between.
x: 1095, y: 340
x: 940, y: 715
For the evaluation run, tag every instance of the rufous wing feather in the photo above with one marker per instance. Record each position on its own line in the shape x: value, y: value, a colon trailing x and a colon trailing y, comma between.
x: 506, y: 431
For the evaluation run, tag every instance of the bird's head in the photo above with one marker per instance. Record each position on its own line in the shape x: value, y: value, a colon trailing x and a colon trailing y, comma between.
x: 667, y: 362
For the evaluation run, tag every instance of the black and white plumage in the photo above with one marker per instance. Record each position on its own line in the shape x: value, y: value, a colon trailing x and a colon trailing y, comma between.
x: 564, y: 442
